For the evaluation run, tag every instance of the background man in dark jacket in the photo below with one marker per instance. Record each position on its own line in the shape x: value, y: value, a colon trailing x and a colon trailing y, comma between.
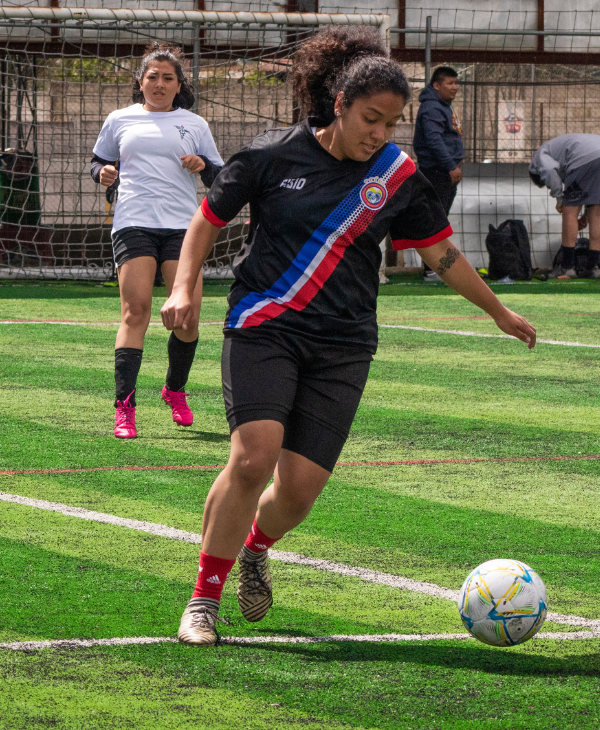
x: 438, y: 139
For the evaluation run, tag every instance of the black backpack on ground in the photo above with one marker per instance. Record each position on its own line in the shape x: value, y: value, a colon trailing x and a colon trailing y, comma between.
x: 509, y: 250
x: 582, y: 248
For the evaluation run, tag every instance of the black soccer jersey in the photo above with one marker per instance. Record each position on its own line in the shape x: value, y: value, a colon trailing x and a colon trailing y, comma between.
x: 311, y: 261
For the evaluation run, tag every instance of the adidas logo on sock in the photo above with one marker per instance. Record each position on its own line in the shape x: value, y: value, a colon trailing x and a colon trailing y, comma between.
x: 258, y: 545
x: 214, y: 579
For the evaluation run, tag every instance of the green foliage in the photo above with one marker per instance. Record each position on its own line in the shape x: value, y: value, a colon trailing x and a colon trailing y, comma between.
x: 87, y: 70
x: 258, y: 77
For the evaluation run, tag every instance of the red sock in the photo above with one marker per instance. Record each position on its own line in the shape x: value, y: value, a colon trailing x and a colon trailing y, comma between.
x: 212, y: 576
x: 257, y: 541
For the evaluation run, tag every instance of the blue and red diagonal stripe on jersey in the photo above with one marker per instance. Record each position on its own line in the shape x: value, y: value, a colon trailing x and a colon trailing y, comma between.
x: 319, y: 256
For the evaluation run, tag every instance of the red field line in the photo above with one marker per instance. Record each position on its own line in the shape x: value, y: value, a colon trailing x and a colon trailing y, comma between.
x: 421, y: 462
x: 406, y: 462
x: 87, y: 321
x: 16, y: 472
x: 101, y: 322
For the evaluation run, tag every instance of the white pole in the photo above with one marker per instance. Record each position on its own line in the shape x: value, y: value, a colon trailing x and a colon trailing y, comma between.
x: 196, y: 62
x: 427, y: 49
x: 191, y: 16
x: 384, y: 31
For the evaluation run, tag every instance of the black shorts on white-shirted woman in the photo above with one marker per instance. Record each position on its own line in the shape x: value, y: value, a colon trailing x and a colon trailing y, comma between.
x: 163, y: 244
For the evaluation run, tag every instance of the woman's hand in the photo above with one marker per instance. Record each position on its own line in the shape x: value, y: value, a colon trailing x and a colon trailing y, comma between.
x: 559, y: 206
x: 516, y: 326
x: 193, y: 163
x: 108, y: 174
x: 177, y: 311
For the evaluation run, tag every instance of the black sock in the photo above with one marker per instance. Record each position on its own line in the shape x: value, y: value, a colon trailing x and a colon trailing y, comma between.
x: 593, y: 258
x: 181, y: 357
x: 568, y: 257
x: 127, y: 367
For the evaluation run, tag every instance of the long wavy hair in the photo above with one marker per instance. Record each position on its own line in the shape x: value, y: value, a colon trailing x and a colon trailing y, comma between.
x: 156, y: 51
x: 349, y: 59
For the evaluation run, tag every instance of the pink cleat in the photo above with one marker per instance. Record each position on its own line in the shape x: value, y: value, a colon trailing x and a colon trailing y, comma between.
x: 125, y: 419
x: 181, y: 411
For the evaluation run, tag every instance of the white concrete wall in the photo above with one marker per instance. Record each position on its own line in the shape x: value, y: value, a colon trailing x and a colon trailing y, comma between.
x: 481, y: 201
x: 471, y: 15
x: 580, y: 15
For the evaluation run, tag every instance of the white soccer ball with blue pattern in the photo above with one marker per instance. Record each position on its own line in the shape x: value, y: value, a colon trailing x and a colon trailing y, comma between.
x: 503, y: 602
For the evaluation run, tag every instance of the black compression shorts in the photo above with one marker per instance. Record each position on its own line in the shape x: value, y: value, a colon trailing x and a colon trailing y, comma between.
x: 312, y: 389
x: 164, y: 244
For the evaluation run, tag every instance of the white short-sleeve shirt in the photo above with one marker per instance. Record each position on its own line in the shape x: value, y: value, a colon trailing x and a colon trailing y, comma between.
x: 154, y: 190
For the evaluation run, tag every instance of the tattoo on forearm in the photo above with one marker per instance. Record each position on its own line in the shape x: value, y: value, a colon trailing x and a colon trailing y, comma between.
x: 452, y: 254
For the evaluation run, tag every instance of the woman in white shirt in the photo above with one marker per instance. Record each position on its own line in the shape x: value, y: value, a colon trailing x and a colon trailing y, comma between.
x: 160, y: 146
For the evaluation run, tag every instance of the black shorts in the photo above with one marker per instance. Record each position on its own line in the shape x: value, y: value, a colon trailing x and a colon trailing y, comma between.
x: 312, y: 389
x: 164, y: 244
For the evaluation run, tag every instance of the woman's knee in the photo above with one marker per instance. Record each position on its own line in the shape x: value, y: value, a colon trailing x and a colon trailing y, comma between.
x: 300, y: 502
x: 136, y: 314
x: 191, y: 333
x: 252, y: 470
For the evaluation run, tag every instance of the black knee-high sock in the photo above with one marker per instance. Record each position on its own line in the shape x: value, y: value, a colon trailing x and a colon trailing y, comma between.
x: 568, y: 257
x: 593, y: 258
x: 127, y: 367
x: 181, y: 357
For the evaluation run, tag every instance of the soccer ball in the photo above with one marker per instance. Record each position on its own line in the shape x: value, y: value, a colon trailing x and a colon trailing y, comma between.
x: 503, y: 602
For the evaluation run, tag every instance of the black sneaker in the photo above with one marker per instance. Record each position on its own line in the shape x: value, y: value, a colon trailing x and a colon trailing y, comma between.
x: 558, y: 272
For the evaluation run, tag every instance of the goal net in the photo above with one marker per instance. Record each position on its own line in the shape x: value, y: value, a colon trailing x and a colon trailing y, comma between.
x: 64, y: 70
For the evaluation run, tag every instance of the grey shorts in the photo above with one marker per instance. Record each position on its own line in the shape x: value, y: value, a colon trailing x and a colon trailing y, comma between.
x: 582, y: 185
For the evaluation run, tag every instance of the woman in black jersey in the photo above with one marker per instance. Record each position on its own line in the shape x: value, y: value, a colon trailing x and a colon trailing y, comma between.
x: 160, y: 146
x: 301, y: 327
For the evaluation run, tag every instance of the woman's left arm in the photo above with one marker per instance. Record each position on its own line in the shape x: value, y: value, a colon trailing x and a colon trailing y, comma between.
x: 201, y: 164
x: 444, y: 258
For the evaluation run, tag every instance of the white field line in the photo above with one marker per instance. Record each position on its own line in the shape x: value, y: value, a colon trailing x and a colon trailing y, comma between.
x: 245, y: 640
x: 86, y: 324
x: 85, y: 514
x: 370, y: 576
x: 461, y: 333
x: 480, y: 334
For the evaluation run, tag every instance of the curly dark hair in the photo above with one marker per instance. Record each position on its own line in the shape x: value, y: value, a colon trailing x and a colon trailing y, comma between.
x: 157, y: 51
x: 348, y: 59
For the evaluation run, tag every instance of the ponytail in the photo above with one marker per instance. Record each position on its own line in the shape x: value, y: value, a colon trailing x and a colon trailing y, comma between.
x: 352, y: 60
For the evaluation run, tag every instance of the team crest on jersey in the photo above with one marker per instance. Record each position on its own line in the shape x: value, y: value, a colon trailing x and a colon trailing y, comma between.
x: 182, y: 130
x: 373, y: 193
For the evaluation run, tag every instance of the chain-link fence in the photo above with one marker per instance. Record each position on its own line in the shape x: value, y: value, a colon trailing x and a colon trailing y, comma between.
x: 60, y: 78
x: 61, y: 74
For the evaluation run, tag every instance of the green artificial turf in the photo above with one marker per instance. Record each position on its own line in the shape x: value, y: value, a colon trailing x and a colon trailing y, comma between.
x: 429, y: 396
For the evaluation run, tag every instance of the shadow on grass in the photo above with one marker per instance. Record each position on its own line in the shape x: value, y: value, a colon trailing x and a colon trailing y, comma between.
x: 190, y: 435
x: 470, y: 655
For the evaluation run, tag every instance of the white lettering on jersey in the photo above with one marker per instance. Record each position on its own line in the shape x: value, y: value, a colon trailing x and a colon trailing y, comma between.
x: 293, y: 183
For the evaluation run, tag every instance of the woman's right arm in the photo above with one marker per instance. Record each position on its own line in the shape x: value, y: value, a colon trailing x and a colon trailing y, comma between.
x: 106, y: 151
x: 197, y: 245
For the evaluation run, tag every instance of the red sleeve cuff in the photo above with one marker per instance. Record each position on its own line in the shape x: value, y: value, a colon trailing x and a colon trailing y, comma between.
x: 403, y: 243
x: 210, y: 216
